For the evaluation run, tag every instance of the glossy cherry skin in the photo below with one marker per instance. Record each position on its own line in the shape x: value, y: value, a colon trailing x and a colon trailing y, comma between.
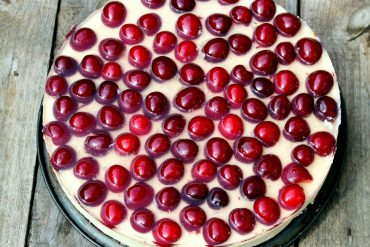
x: 218, y: 24
x: 139, y: 56
x: 156, y: 106
x: 186, y: 51
x: 292, y: 197
x: 82, y: 123
x: 326, y: 108
x: 163, y: 68
x: 83, y: 90
x: 303, y: 155
x: 188, y: 26
x: 131, y: 34
x: 217, y: 79
x: 267, y: 132
x: 279, y: 107
x: 286, y: 82
x: 171, y: 171
x: 153, y: 4
x: 112, y: 71
x: 216, y: 108
x: 58, y: 132
x: 266, y: 210
x: 63, y: 157
x: 157, y: 145
x: 231, y: 126
x: 117, y: 178
x: 56, y: 86
x: 262, y: 87
x: 92, y: 193
x: 139, y: 195
x: 240, y: 44
x: 192, y: 218
x: 264, y: 63
x: 164, y: 42
x: 106, y: 92
x: 127, y: 144
x: 263, y: 10
x: 114, y: 13
x: 86, y: 168
x: 142, y: 220
x: 308, y: 51
x: 166, y: 232
x: 227, y: 2
x: 287, y: 24
x: 216, y: 50
x: 216, y: 231
x: 129, y: 101
x: 268, y: 166
x: 254, y: 110
x: 113, y: 213
x: 323, y: 143
x: 204, y: 171
x: 183, y: 5
x: 235, y: 95
x: 218, y: 150
x: 189, y: 99
x: 149, y: 23
x: 265, y: 35
x: 200, y: 127
x: 253, y: 187
x: 111, y: 49
x: 242, y: 220
x: 137, y: 79
x: 217, y: 198
x: 185, y: 150
x: 64, y: 107
x: 83, y: 39
x: 319, y: 83
x: 247, y: 149
x: 99, y: 143
x: 194, y: 193
x: 241, y: 15
x: 140, y: 124
x: 143, y: 168
x: 285, y: 53
x: 167, y: 199
x: 302, y: 105
x: 65, y: 66
x: 191, y: 74
x: 296, y: 129
x: 229, y: 176
x: 241, y: 75
x: 110, y: 117
x: 295, y: 173
x: 174, y: 125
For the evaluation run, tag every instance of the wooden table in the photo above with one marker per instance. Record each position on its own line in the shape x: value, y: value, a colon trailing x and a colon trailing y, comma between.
x: 30, y: 33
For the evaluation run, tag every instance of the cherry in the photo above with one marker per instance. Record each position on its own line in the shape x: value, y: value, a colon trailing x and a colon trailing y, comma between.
x: 240, y: 44
x: 114, y: 13
x: 192, y: 218
x: 127, y: 144
x: 166, y: 232
x: 302, y: 105
x: 156, y: 106
x: 117, y: 178
x: 204, y: 171
x: 296, y: 129
x: 242, y: 220
x: 110, y: 117
x: 216, y: 231
x: 287, y: 24
x: 326, y: 108
x: 56, y: 86
x: 164, y: 42
x: 189, y: 99
x: 168, y: 199
x: 216, y: 50
x: 174, y: 125
x: 153, y: 4
x: 262, y: 87
x: 131, y: 34
x: 285, y: 53
x: 107, y: 92
x: 292, y: 197
x: 86, y: 168
x: 323, y: 143
x: 191, y: 74
x: 319, y: 83
x: 254, y: 110
x: 227, y: 2
x: 171, y: 171
x: 218, y: 24
x: 129, y: 101
x: 218, y: 150
x: 163, y: 68
x: 139, y: 57
x: 266, y: 210
x: 235, y: 95
x: 263, y: 10
x: 140, y: 124
x: 264, y: 62
x: 188, y: 26
x: 139, y: 195
x: 113, y: 213
x: 185, y: 150
x: 253, y: 187
x: 303, y: 155
x: 157, y: 145
x: 182, y: 5
x: 99, y: 143
x: 58, y: 132
x: 65, y: 66
x: 241, y: 75
x: 247, y: 149
x: 231, y: 126
x: 63, y: 157
x: 137, y: 79
x: 63, y: 107
x: 216, y: 108
x: 186, y: 51
x: 149, y: 23
x: 143, y: 168
x: 112, y: 71
x: 229, y: 176
x: 241, y: 15
x: 83, y: 90
x: 268, y: 166
x: 286, y: 82
x: 217, y: 79
x: 82, y: 123
x: 308, y: 51
x: 111, y: 49
x: 83, y: 39
x: 200, y: 127
x: 267, y: 132
x: 295, y: 173
x: 92, y: 193
x: 142, y: 220
x: 265, y: 35
x: 217, y: 198
x: 279, y: 107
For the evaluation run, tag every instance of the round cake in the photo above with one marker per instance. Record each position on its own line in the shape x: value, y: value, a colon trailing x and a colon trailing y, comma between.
x: 191, y: 123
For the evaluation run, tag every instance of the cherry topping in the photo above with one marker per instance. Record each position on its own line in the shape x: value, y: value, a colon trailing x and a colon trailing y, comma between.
x: 143, y: 168
x: 229, y: 176
x: 168, y: 199
x: 137, y: 79
x: 111, y: 49
x: 253, y: 187
x: 303, y: 155
x: 217, y: 79
x: 216, y: 108
x: 262, y: 87
x: 216, y: 50
x: 296, y: 129
x: 131, y: 34
x: 114, y: 13
x: 200, y: 127
x: 265, y: 35
x: 204, y: 171
x: 226, y: 2
x: 63, y: 157
x: 189, y: 99
x: 171, y: 171
x: 287, y: 24
x: 86, y: 168
x: 164, y: 42
x: 218, y: 150
x: 302, y: 105
x: 65, y: 66
x: 268, y: 166
x: 240, y: 44
x: 112, y: 71
x: 264, y: 63
x: 191, y: 74
x: 182, y: 5
x: 153, y: 4
x: 142, y: 220
x: 140, y: 125
x: 188, y: 26
x: 235, y: 95
x: 241, y: 75
x: 150, y: 23
x: 263, y: 10
x: 285, y: 53
x: 279, y: 107
x: 268, y: 133
x: 217, y: 198
x: 117, y: 178
x: 185, y: 150
x: 192, y: 218
x: 319, y: 83
x: 127, y: 144
x: 267, y: 210
x: 157, y: 145
x: 139, y: 57
x: 113, y: 213
x: 247, y: 149
x: 139, y: 195
x: 254, y: 110
x: 56, y: 86
x: 82, y: 123
x: 186, y: 51
x: 83, y: 90
x: 166, y: 232
x: 92, y: 193
x: 58, y: 132
x: 286, y: 82
x: 107, y: 92
x: 241, y: 14
x: 83, y: 39
x: 99, y: 143
x: 242, y: 220
x: 295, y: 173
x: 326, y: 108
x: 292, y: 197
x: 174, y: 125
x: 216, y: 231
x: 63, y: 107
x: 308, y: 51
x: 323, y: 143
x: 129, y: 101
x: 110, y: 117
x: 163, y: 68
x: 156, y: 106
x: 231, y: 126
x: 218, y: 24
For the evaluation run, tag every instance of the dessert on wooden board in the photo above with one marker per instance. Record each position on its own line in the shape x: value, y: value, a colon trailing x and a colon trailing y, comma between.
x: 191, y: 123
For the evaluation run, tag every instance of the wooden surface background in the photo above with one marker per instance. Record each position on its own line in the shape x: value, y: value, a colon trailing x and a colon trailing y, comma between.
x: 32, y: 30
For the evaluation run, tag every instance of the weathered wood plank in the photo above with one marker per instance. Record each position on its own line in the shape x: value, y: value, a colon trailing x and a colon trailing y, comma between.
x: 345, y: 222
x: 26, y: 35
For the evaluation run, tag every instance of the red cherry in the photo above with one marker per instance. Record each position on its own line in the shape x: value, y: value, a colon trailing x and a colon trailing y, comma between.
x: 113, y: 213
x: 217, y: 79
x: 263, y: 10
x: 254, y: 110
x: 174, y: 125
x: 218, y: 24
x: 194, y: 193
x: 191, y: 74
x: 153, y: 4
x: 139, y: 195
x: 231, y: 126
x: 112, y: 71
x: 163, y: 68
x: 83, y: 90
x: 65, y: 66
x: 110, y: 117
x: 303, y: 155
x: 56, y: 86
x: 185, y: 150
x: 308, y: 51
x: 186, y: 51
x: 286, y: 82
x: 83, y: 39
x: 279, y: 107
x: 114, y: 13
x: 267, y: 132
x: 140, y: 125
x: 168, y: 199
x: 189, y: 99
x: 137, y: 79
x: 326, y: 108
x: 267, y: 210
x: 241, y: 14
x: 92, y: 193
x: 63, y: 107
x: 58, y: 132
x: 86, y: 168
x: 218, y: 150
x: 143, y: 168
x: 241, y: 75
x: 285, y: 53
x: 302, y: 105
x: 295, y: 173
x: 296, y: 129
x: 164, y: 42
x: 82, y: 123
x: 204, y: 171
x: 200, y: 128
x: 292, y: 197
x: 99, y: 143
x: 111, y: 49
x: 142, y: 220
x: 149, y: 23
x: 129, y: 101
x: 235, y: 95
x: 131, y: 34
x: 192, y: 218
x: 242, y: 220
x: 182, y: 5
x: 188, y: 26
x: 265, y: 35
x: 268, y: 166
x: 217, y: 198
x: 171, y: 171
x: 157, y: 145
x: 323, y: 143
x: 140, y: 57
x: 262, y: 87
x: 240, y: 44
x: 117, y: 178
x: 216, y: 50
x: 216, y: 108
x: 63, y: 157
x: 247, y: 149
x: 216, y: 231
x: 127, y: 144
x: 227, y: 2
x: 229, y: 176
x: 156, y: 106
x: 264, y: 63
x: 107, y: 92
x: 319, y: 83
x: 287, y: 24
x: 166, y: 232
x: 253, y: 187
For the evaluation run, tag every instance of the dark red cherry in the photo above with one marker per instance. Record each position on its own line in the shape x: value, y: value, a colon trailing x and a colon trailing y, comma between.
x: 267, y: 211
x: 218, y: 150
x: 229, y: 176
x: 92, y: 193
x: 114, y: 13
x: 63, y: 107
x: 63, y: 157
x: 242, y: 220
x: 192, y: 218
x: 216, y: 50
x: 253, y: 187
x: 142, y: 220
x: 303, y: 155
x: 268, y: 166
x: 189, y: 99
x: 279, y: 107
x: 171, y: 171
x: 139, y: 57
x: 143, y: 168
x: 216, y: 231
x: 194, y: 193
x: 137, y: 79
x: 191, y: 74
x: 111, y: 49
x: 156, y: 106
x: 265, y: 35
x: 186, y: 51
x: 235, y: 95
x: 200, y: 127
x: 240, y: 44
x: 319, y: 83
x: 217, y: 198
x: 286, y: 82
x: 127, y: 144
x: 188, y: 26
x: 264, y: 63
x: 204, y: 171
x: 167, y: 199
x: 326, y: 108
x: 112, y: 71
x: 153, y: 4
x: 131, y: 34
x: 110, y: 117
x: 217, y: 79
x: 296, y: 129
x: 247, y: 149
x: 231, y: 126
x: 292, y: 197
x: 140, y: 124
x: 302, y: 105
x: 241, y: 75
x: 182, y: 5
x: 139, y: 195
x: 267, y: 132
x: 99, y: 143
x: 287, y: 24
x: 149, y: 23
x: 163, y: 68
x: 185, y: 150
x: 157, y: 145
x: 82, y: 123
x: 262, y: 87
x: 113, y: 213
x: 129, y: 101
x: 285, y: 53
x: 241, y: 15
x: 56, y: 86
x: 86, y: 168
x: 117, y: 178
x: 218, y: 24
x: 83, y: 90
x: 107, y: 92
x: 263, y: 10
x: 216, y: 108
x: 65, y: 66
x: 164, y: 42
x: 166, y: 232
x: 254, y: 110
x: 174, y: 125
x: 227, y: 2
x: 308, y: 51
x: 58, y: 132
x: 323, y: 143
x: 295, y: 173
x: 83, y: 39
